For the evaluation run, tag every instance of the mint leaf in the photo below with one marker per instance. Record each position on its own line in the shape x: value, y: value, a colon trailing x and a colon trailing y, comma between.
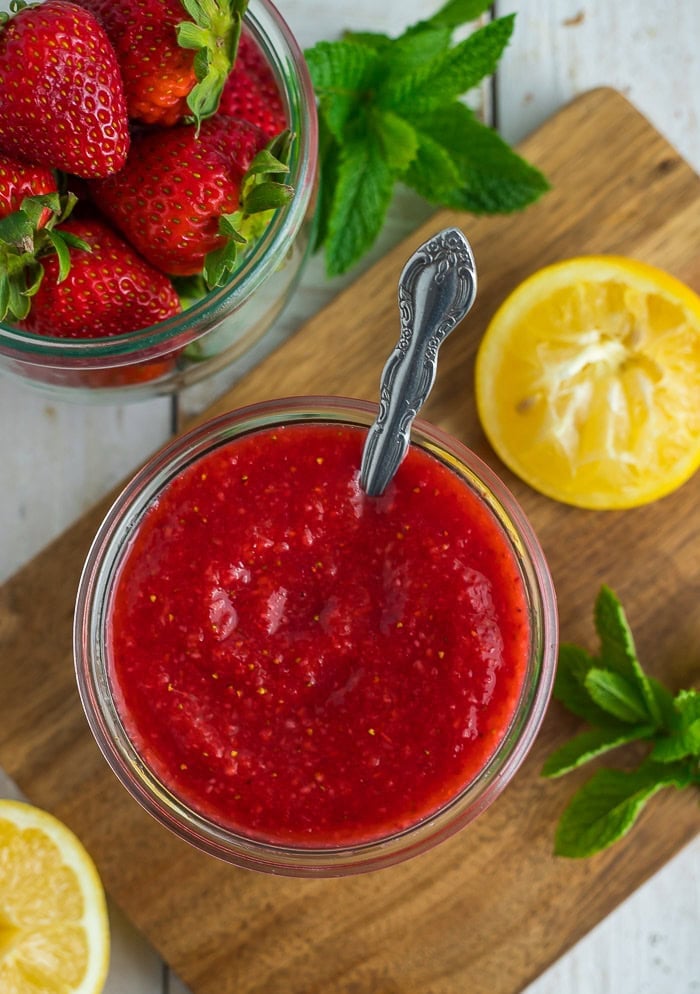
x: 360, y: 202
x: 590, y: 744
x: 574, y: 664
x: 664, y: 703
x: 342, y: 73
x: 684, y: 738
x: 398, y: 140
x: 433, y: 171
x: 493, y: 178
x: 457, y: 12
x: 450, y: 74
x: 415, y: 47
x: 687, y: 703
x: 615, y: 695
x: 371, y: 90
x: 607, y: 806
x: 329, y: 162
x: 370, y: 39
x: 617, y: 649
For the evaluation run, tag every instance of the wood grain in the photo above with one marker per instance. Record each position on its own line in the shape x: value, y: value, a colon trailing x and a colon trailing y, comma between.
x: 490, y: 909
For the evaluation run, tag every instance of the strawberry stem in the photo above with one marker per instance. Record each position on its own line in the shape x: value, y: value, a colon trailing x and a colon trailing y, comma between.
x: 213, y: 34
x: 23, y: 241
x: 262, y: 192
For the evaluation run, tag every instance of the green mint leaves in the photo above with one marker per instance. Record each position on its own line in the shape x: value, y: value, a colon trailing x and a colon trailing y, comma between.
x: 622, y: 704
x: 390, y: 111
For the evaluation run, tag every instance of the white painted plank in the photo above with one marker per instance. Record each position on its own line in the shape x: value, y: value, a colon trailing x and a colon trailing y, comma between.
x: 648, y: 945
x: 57, y: 459
x: 648, y: 51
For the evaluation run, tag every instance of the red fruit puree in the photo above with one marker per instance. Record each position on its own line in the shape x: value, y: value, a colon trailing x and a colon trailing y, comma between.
x: 308, y: 665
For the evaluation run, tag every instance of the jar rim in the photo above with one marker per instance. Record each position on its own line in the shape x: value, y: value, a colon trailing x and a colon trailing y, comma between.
x: 285, y: 57
x: 144, y: 785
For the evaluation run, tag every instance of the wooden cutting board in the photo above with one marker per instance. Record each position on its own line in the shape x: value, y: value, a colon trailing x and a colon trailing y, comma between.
x: 487, y: 911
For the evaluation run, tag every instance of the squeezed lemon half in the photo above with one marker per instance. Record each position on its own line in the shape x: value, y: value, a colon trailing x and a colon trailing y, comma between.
x: 54, y: 933
x: 588, y: 382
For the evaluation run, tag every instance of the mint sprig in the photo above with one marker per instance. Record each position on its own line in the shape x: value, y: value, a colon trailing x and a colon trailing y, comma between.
x: 623, y: 704
x: 390, y: 111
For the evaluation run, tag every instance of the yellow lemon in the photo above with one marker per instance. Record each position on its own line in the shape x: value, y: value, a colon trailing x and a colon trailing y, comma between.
x: 54, y: 933
x: 588, y: 382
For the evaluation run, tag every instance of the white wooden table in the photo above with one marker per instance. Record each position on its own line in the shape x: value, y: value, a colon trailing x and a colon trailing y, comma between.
x: 58, y: 459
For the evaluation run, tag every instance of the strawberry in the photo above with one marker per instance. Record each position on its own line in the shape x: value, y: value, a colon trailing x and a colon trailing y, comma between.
x: 109, y: 290
x: 175, y: 198
x: 251, y: 91
x: 173, y: 65
x: 22, y: 179
x: 61, y: 100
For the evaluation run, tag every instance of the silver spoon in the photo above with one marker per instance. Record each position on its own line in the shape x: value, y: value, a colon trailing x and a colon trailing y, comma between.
x: 436, y: 289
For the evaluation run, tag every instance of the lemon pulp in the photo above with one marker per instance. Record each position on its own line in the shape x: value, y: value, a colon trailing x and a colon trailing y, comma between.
x: 588, y: 382
x: 54, y: 934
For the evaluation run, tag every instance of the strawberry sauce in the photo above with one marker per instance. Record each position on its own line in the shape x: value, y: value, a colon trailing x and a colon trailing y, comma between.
x: 307, y: 665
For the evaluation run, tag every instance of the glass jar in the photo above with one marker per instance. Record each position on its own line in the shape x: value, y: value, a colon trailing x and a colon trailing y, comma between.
x: 221, y: 327
x: 101, y: 701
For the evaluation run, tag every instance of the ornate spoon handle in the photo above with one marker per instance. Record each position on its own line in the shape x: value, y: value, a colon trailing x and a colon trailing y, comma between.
x: 436, y: 289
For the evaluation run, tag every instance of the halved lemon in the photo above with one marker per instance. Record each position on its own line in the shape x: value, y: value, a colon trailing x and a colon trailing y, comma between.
x: 588, y: 382
x: 54, y: 932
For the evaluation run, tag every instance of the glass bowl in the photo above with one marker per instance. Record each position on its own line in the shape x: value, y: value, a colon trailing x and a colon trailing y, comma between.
x: 221, y: 327
x: 101, y: 699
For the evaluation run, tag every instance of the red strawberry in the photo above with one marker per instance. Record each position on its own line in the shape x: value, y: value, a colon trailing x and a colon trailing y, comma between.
x: 156, y: 43
x: 109, y: 290
x: 251, y: 91
x: 175, y: 187
x: 61, y: 99
x: 22, y: 179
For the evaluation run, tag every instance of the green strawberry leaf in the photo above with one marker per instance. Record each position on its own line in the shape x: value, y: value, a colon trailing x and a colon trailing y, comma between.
x: 617, y: 696
x: 493, y: 178
x: 62, y: 252
x: 17, y: 230
x: 219, y: 264
x: 213, y: 34
x: 18, y: 302
x: 190, y: 289
x: 360, y: 201
x: 449, y: 74
x: 265, y: 163
x: 607, y: 806
x: 22, y: 245
x: 267, y: 196
x: 589, y: 744
x: 617, y: 649
x: 4, y: 294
